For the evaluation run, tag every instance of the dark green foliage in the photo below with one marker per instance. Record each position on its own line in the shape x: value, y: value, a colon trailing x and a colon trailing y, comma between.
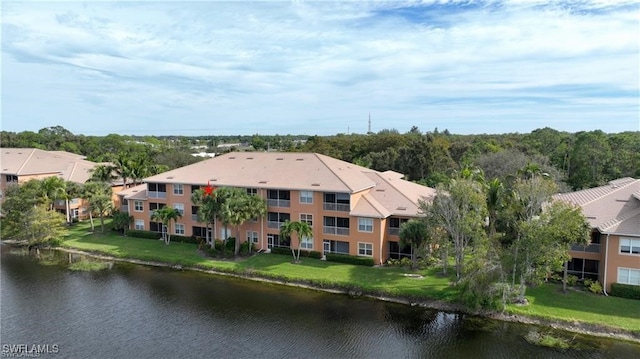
x: 344, y: 258
x: 625, y: 291
x: 144, y: 234
x: 303, y: 253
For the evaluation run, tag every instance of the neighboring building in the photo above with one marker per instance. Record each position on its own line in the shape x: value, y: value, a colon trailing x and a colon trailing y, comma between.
x: 18, y: 165
x: 614, y: 214
x: 352, y: 209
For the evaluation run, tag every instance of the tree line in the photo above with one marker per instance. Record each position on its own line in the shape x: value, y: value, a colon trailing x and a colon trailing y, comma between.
x: 574, y: 160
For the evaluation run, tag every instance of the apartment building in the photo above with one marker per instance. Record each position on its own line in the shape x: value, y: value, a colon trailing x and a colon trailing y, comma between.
x: 19, y: 165
x: 352, y: 210
x: 613, y: 211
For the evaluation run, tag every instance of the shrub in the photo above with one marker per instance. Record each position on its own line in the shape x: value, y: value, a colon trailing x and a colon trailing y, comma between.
x: 587, y: 283
x: 595, y: 287
x: 625, y: 291
x: 183, y: 239
x: 303, y: 253
x: 344, y: 258
x: 572, y: 280
x: 402, y: 262
x: 143, y: 234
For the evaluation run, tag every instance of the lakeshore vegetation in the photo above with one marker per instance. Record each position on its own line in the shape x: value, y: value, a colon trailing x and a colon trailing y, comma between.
x: 546, y: 301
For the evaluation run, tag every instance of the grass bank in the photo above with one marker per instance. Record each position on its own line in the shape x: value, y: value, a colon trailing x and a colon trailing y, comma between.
x: 546, y: 301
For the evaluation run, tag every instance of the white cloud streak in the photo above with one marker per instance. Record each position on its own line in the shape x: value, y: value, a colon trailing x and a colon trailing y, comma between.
x: 320, y: 67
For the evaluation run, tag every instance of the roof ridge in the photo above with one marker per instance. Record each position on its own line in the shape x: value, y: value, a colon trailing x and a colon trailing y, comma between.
x: 33, y: 150
x: 396, y: 188
x: 332, y: 171
x: 377, y: 205
x: 605, y: 226
x: 616, y: 188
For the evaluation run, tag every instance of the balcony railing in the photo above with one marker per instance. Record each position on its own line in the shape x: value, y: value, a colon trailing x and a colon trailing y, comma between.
x: 341, y: 207
x: 194, y: 217
x: 155, y: 194
x: 283, y: 203
x: 394, y: 231
x: 274, y: 224
x: 341, y: 231
x: 124, y: 208
x: 591, y: 248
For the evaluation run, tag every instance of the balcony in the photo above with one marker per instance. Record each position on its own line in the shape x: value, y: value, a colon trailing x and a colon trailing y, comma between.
x: 339, y: 207
x: 591, y: 248
x: 274, y: 224
x: 283, y: 203
x: 340, y: 231
x: 394, y: 231
x: 194, y: 217
x: 124, y: 208
x: 155, y: 194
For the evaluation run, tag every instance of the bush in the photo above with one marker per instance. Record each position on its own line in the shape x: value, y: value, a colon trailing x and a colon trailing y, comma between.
x: 143, y: 234
x: 183, y: 239
x: 625, y: 291
x: 303, y: 253
x: 595, y: 287
x: 572, y: 280
x: 587, y: 283
x: 344, y: 258
x: 402, y: 262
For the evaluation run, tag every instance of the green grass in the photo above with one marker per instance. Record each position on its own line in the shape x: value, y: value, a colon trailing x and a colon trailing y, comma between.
x: 545, y: 301
x: 88, y: 265
x: 548, y: 302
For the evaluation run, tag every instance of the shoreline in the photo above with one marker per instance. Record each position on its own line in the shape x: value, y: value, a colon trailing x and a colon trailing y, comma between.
x: 590, y: 329
x: 574, y: 327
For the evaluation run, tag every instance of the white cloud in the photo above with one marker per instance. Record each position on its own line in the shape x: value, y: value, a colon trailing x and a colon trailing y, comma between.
x: 318, y: 67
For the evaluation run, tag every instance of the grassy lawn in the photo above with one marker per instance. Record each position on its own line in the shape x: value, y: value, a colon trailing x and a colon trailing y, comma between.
x: 546, y: 301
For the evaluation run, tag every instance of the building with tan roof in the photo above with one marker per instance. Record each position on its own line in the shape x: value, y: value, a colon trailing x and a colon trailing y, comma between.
x: 613, y: 211
x: 352, y: 210
x: 18, y: 165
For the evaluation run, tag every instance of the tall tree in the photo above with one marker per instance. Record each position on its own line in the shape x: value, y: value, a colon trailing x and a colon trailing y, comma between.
x: 460, y: 210
x: 298, y: 230
x: 53, y: 188
x: 208, y: 210
x: 98, y: 194
x: 414, y: 233
x: 238, y: 207
x: 103, y: 173
x: 166, y: 215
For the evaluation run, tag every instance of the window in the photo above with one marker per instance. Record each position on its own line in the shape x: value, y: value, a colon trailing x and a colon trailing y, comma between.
x: 179, y: 228
x: 336, y: 225
x: 335, y: 246
x: 365, y: 225
x: 252, y: 237
x: 252, y: 191
x: 275, y: 219
x: 337, y: 202
x: 306, y: 218
x: 278, y: 198
x: 629, y: 245
x: 137, y: 206
x: 365, y: 249
x: 306, y: 197
x: 139, y: 224
x: 157, y: 190
x: 306, y: 243
x: 179, y: 207
x: 178, y: 189
x: 11, y: 178
x: 629, y: 276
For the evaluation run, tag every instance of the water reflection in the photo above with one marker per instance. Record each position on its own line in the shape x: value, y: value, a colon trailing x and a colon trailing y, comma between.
x: 142, y: 312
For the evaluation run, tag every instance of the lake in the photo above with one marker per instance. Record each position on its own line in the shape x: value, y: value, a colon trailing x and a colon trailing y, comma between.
x: 131, y: 311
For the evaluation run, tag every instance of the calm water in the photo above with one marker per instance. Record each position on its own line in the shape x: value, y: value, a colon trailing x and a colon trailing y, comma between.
x: 140, y: 312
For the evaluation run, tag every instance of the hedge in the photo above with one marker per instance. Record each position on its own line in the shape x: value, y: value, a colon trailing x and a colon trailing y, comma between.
x: 143, y: 234
x: 344, y: 258
x: 287, y: 251
x: 625, y: 291
x: 158, y: 235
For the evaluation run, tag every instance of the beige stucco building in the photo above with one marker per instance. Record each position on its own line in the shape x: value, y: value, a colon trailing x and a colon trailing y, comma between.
x: 352, y: 209
x: 613, y: 211
x: 19, y: 165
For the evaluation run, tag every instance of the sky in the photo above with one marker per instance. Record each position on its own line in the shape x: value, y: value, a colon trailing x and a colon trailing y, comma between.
x: 320, y: 67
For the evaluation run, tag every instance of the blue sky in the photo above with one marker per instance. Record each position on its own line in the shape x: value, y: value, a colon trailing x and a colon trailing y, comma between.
x: 301, y: 67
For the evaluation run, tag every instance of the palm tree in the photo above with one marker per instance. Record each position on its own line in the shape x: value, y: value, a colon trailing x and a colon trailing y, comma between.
x: 415, y: 233
x: 53, y: 188
x: 208, y: 210
x: 98, y: 194
x: 123, y: 167
x: 495, y: 193
x: 72, y: 190
x: 237, y: 207
x: 165, y: 215
x: 301, y: 229
x: 103, y: 173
